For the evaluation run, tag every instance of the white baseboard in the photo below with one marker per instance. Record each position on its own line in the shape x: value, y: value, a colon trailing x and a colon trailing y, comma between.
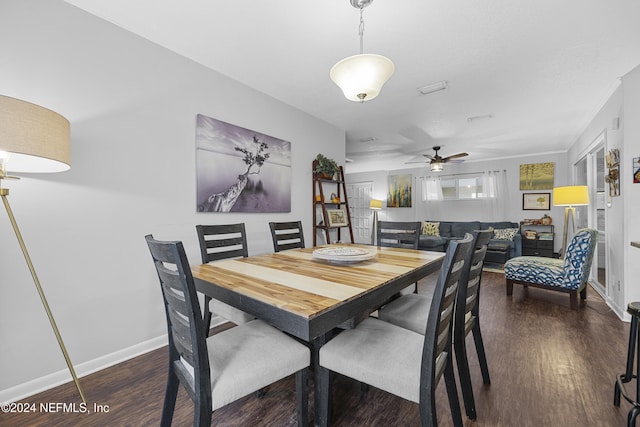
x: 24, y: 390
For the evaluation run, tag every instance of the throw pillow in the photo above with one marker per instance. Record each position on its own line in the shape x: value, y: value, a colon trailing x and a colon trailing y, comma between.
x: 505, y: 233
x: 431, y: 228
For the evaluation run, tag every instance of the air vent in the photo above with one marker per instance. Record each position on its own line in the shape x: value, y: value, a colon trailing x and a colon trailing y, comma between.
x: 433, y: 87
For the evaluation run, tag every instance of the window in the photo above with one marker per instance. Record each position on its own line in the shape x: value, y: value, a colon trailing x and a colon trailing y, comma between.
x: 463, y: 188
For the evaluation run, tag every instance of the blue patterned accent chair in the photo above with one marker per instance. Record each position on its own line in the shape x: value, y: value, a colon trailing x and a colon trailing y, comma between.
x: 564, y: 275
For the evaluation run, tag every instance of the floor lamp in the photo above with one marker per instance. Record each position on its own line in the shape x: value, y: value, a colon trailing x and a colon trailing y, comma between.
x: 570, y: 196
x: 375, y: 206
x: 33, y: 139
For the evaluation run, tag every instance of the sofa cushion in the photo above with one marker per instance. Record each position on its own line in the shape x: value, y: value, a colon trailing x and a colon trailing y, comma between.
x: 504, y: 233
x: 440, y: 243
x: 459, y: 229
x: 431, y: 228
x: 445, y: 229
x: 432, y: 243
x: 498, y: 224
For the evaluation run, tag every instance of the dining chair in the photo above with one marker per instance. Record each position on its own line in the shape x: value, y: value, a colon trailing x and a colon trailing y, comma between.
x: 218, y: 242
x: 398, y: 234
x: 286, y: 235
x: 218, y: 370
x: 569, y: 275
x: 467, y: 320
x: 395, y: 234
x: 397, y: 360
x: 412, y: 311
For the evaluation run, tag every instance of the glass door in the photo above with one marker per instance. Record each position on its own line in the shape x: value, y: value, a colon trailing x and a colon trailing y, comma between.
x: 590, y: 170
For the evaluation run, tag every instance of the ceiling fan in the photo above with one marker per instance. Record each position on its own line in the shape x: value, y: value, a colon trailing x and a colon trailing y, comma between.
x: 437, y: 162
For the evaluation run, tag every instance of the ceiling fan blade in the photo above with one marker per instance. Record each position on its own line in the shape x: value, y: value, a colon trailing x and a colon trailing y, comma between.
x: 455, y: 156
x: 429, y: 156
x: 417, y: 161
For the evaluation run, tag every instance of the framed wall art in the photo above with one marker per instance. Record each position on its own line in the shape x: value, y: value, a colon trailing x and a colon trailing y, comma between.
x: 536, y: 201
x: 613, y: 176
x: 337, y: 218
x: 399, y: 195
x: 536, y: 176
x: 240, y: 170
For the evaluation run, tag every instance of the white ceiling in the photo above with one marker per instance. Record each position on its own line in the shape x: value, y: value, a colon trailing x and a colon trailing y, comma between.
x: 540, y: 68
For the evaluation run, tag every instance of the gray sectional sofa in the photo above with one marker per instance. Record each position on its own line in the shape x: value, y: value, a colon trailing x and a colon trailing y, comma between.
x: 450, y: 230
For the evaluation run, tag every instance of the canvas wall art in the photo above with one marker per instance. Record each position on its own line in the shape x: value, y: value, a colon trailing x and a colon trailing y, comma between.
x: 399, y: 195
x: 536, y: 176
x: 240, y: 170
x: 613, y: 176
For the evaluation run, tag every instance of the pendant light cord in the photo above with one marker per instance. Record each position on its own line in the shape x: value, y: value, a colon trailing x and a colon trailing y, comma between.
x: 361, y: 32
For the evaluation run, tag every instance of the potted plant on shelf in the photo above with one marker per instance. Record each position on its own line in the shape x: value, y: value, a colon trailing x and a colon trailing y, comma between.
x: 325, y: 168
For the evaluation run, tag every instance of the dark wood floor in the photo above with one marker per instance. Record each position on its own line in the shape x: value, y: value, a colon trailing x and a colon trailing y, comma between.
x: 549, y: 366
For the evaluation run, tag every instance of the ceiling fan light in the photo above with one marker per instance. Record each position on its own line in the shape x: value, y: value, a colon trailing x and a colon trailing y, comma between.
x: 361, y: 77
x: 437, y: 166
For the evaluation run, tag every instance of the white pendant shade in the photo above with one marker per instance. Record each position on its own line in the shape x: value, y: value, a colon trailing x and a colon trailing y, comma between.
x: 361, y: 77
x: 36, y: 139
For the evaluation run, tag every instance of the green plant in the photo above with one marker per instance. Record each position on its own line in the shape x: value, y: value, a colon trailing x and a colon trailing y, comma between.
x: 325, y: 165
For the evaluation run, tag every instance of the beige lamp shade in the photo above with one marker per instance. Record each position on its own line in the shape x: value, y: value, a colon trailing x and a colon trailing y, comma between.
x: 572, y: 195
x: 35, y: 138
x: 375, y: 204
x: 361, y: 77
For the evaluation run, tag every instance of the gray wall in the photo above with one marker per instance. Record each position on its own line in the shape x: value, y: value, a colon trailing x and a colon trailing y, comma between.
x: 132, y: 107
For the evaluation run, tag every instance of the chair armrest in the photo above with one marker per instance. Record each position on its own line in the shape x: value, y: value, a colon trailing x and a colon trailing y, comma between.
x: 517, y: 241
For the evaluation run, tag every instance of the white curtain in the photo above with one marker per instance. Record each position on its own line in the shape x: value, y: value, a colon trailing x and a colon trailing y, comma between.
x: 431, y: 189
x: 495, y: 195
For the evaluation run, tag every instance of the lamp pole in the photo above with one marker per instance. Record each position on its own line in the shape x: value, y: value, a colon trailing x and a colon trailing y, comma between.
x: 4, y: 193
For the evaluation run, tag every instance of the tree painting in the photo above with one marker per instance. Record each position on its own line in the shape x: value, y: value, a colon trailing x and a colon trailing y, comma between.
x: 258, y: 158
x: 536, y: 176
x: 240, y: 170
x: 399, y: 194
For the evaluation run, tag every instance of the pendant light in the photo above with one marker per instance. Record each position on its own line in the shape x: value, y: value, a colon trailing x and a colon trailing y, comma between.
x: 361, y: 77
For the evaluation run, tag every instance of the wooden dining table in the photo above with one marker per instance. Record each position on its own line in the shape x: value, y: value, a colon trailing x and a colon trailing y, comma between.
x: 308, y: 297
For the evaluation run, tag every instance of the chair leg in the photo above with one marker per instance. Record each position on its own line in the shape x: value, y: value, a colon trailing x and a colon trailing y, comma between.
x: 170, y: 396
x: 573, y: 300
x: 201, y: 414
x: 628, y: 372
x: 323, y: 401
x: 428, y: 409
x: 452, y: 392
x: 509, y: 287
x: 583, y: 293
x: 302, y: 397
x: 633, y: 414
x: 207, y: 316
x: 465, y: 376
x: 482, y: 358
